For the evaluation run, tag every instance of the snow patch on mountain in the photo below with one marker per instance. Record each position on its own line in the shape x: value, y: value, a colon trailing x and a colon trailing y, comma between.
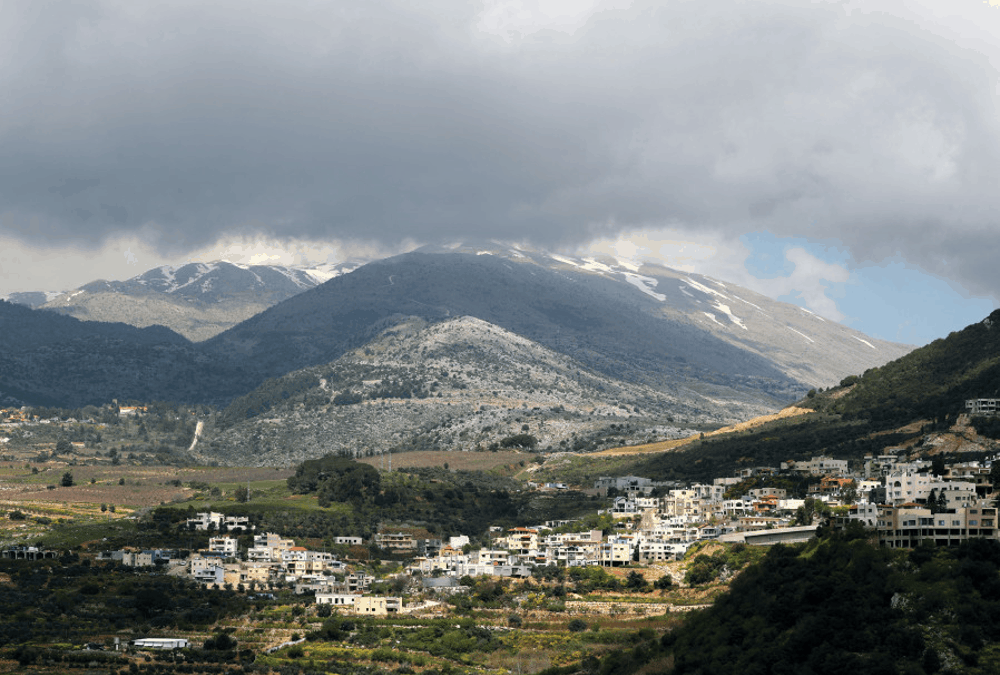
x: 645, y: 284
x: 564, y: 259
x: 748, y: 302
x: 628, y: 264
x: 295, y: 276
x: 798, y: 333
x: 704, y: 289
x: 732, y: 317
x: 865, y: 342
x: 594, y: 266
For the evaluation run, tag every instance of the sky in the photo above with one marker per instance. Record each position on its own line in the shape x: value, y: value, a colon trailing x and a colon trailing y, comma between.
x: 841, y: 155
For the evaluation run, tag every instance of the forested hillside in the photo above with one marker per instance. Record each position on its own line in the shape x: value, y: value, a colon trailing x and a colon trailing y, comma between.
x: 839, y: 605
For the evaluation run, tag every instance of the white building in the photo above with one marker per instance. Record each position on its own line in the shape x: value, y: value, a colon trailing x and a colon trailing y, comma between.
x: 226, y: 546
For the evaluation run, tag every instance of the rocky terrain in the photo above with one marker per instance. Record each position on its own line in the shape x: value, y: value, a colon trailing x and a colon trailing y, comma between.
x: 461, y: 384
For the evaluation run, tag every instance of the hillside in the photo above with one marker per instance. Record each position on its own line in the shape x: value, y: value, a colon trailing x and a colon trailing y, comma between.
x: 461, y: 384
x: 48, y: 359
x: 914, y: 404
x: 928, y: 383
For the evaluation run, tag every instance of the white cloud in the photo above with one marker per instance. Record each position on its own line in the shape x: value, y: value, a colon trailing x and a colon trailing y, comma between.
x: 718, y: 256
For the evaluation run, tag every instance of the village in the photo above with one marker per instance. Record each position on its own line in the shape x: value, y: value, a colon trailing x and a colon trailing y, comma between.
x: 646, y: 524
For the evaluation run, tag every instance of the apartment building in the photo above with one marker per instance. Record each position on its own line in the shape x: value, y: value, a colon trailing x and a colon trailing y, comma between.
x: 909, y: 525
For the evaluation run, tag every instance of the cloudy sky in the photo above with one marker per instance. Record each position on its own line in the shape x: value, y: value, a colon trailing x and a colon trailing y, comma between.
x: 843, y: 155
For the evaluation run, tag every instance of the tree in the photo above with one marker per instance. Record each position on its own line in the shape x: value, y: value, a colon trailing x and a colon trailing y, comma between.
x: 636, y: 582
x: 932, y: 501
x: 67, y: 480
x: 937, y: 465
x: 242, y: 494
x: 850, y: 494
x: 995, y: 476
x: 63, y: 446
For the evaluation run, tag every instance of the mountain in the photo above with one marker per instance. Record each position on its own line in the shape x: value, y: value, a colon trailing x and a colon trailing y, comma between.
x: 197, y: 300
x: 49, y: 359
x: 457, y: 384
x: 646, y: 324
x: 680, y: 350
x: 464, y: 349
x: 31, y: 299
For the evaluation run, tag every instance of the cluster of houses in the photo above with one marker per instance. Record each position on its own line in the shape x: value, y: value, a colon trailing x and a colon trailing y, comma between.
x: 904, y: 501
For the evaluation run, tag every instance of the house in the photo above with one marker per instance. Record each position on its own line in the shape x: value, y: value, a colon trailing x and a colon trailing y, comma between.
x: 909, y: 525
x: 982, y: 406
x: 818, y: 466
x: 616, y: 552
x: 345, y: 600
x: 267, y: 547
x: 211, y: 574
x: 225, y: 546
x: 159, y: 643
x: 396, y: 541
x: 372, y: 606
x: 522, y: 540
x: 623, y: 507
x: 219, y: 521
x: 28, y: 553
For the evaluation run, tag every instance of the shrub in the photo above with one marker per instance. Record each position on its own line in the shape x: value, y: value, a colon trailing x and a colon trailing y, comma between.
x: 577, y: 625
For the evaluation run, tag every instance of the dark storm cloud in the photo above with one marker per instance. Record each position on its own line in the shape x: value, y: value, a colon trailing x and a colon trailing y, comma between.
x: 386, y: 120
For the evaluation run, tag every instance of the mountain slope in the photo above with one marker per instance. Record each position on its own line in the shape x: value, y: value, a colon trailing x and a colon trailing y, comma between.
x: 48, y: 359
x: 929, y: 382
x: 804, y: 346
x: 459, y: 384
x: 912, y: 404
x: 197, y: 300
x: 603, y: 320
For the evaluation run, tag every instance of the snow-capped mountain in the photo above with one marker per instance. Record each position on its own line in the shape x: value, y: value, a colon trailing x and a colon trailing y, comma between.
x: 198, y: 300
x: 808, y: 347
x: 643, y: 324
x: 710, y: 350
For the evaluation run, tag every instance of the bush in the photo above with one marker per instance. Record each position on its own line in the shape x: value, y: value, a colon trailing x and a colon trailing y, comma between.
x: 577, y: 625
